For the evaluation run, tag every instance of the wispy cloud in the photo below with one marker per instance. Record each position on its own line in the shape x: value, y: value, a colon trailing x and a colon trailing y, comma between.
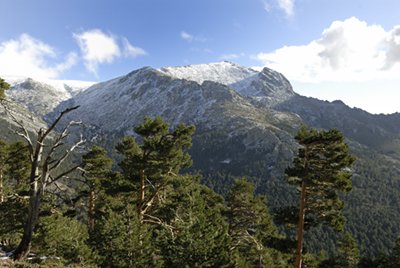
x: 186, y: 36
x: 98, y: 48
x: 131, y: 50
x: 287, y: 6
x: 192, y: 38
x: 28, y: 56
x: 349, y: 50
x: 232, y: 56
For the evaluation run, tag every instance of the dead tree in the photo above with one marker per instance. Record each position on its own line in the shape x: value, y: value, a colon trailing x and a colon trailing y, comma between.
x: 44, y: 164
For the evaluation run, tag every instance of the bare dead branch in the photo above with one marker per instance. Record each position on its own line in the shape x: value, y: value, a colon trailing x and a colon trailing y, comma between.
x: 58, y: 119
x: 17, y: 196
x: 65, y: 173
x: 58, y: 162
x: 158, y: 221
x: 23, y: 131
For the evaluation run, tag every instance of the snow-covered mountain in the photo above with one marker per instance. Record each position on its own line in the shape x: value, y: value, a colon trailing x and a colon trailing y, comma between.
x: 267, y: 86
x: 217, y: 94
x: 41, y: 97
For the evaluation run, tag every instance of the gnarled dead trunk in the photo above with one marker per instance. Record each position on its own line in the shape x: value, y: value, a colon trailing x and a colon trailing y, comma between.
x: 40, y: 176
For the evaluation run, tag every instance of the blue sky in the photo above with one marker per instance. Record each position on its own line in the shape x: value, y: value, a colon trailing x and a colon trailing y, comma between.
x: 342, y: 49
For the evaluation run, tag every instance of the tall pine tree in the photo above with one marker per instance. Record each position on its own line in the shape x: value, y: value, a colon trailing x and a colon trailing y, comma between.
x: 97, y: 169
x: 321, y: 171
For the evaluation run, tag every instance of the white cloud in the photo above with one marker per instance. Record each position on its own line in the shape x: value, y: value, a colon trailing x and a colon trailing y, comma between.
x: 186, y: 36
x: 27, y: 56
x: 287, y: 6
x: 349, y: 50
x: 98, y: 48
x: 352, y: 60
x: 132, y: 51
x: 192, y: 38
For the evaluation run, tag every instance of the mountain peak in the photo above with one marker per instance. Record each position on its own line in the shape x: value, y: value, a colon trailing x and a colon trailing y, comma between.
x: 223, y: 72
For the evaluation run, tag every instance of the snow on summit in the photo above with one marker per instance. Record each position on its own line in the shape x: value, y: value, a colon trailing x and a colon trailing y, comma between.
x: 224, y: 72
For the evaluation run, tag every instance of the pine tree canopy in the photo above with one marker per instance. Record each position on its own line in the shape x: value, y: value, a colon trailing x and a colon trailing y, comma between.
x: 3, y: 87
x: 323, y: 165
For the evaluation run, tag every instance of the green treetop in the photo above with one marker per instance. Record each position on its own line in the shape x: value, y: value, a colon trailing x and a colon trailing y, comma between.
x: 3, y: 87
x: 160, y: 156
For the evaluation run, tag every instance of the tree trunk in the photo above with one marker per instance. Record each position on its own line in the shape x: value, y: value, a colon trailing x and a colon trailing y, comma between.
x: 35, y: 195
x: 300, y: 227
x: 92, y: 207
x: 22, y: 251
x: 141, y: 194
x: 1, y: 186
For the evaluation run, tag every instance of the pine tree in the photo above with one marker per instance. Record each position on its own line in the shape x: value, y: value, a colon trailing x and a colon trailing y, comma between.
x: 251, y: 228
x: 14, y: 168
x: 121, y: 239
x: 152, y: 163
x: 63, y: 237
x: 199, y: 233
x: 3, y: 87
x: 18, y: 166
x: 348, y: 253
x: 97, y: 169
x: 320, y: 170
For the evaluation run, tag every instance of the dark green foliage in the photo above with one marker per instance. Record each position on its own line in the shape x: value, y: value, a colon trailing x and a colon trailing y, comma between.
x: 150, y: 165
x: 348, y: 253
x: 199, y: 233
x: 12, y: 216
x: 14, y: 165
x: 18, y: 166
x: 322, y: 164
x: 97, y: 169
x: 251, y: 229
x: 97, y: 165
x: 3, y: 87
x: 122, y: 241
x: 63, y: 237
x: 160, y: 151
x: 347, y: 256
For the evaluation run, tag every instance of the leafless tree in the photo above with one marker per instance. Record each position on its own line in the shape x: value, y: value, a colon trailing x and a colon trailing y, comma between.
x: 47, y: 154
